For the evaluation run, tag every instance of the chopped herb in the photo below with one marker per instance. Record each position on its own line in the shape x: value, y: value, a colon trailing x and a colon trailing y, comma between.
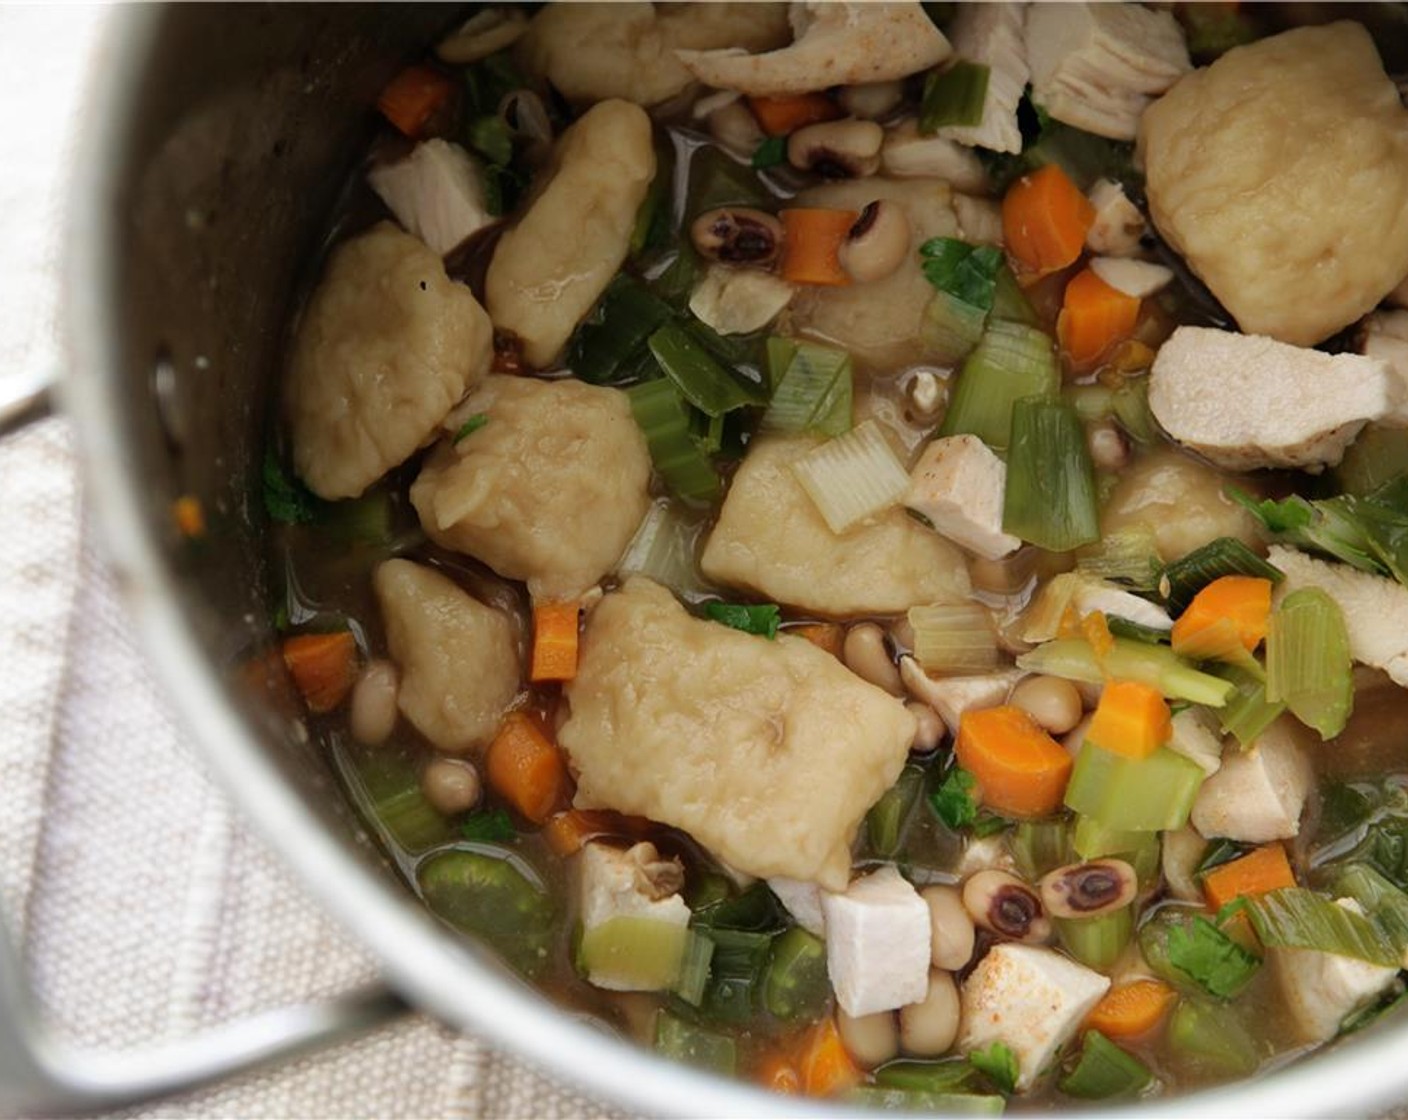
x: 761, y: 619
x: 285, y: 498
x: 489, y: 826
x: 967, y: 272
x: 1210, y: 958
x: 999, y: 1063
x: 472, y: 425
x: 491, y: 138
x: 953, y: 801
x: 770, y: 153
x: 989, y: 824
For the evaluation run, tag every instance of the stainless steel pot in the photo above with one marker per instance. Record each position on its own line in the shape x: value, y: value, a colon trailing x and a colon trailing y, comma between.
x: 215, y: 141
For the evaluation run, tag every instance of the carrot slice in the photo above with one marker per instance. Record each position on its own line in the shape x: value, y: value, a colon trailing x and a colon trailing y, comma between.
x: 780, y: 115
x: 811, y: 243
x: 1264, y: 869
x: 1132, y: 719
x: 824, y: 1063
x: 413, y: 97
x: 823, y: 635
x: 526, y: 768
x: 323, y: 666
x: 1131, y: 1009
x: 1095, y: 318
x: 1044, y: 221
x: 189, y: 516
x: 1244, y: 601
x: 554, y: 641
x: 1021, y: 770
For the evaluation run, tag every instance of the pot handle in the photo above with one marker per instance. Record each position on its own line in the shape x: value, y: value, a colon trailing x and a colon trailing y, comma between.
x: 24, y: 398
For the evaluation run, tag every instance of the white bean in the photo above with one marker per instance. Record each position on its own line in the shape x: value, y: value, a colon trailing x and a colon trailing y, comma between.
x: 866, y: 655
x: 953, y: 933
x: 1051, y: 701
x: 870, y: 1039
x: 373, y: 712
x: 451, y: 785
x: 928, y: 1028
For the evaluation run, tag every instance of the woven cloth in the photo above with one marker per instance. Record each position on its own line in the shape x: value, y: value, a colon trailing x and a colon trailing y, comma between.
x: 145, y: 907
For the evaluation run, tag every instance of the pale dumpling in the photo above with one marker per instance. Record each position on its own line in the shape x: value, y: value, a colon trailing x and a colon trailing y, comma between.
x: 550, y: 269
x: 1280, y: 173
x: 771, y: 539
x: 550, y: 489
x: 387, y: 345
x: 457, y: 656
x: 767, y: 752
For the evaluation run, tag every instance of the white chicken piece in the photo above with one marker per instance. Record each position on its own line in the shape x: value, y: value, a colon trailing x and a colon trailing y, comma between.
x: 836, y: 44
x: 1098, y: 66
x: 979, y: 220
x: 1196, y: 737
x: 1030, y: 998
x: 1140, y: 279
x: 628, y: 883
x: 958, y: 486
x: 1375, y: 608
x: 908, y: 154
x: 991, y: 35
x: 1246, y: 402
x: 1385, y: 339
x: 739, y: 300
x: 1093, y: 595
x: 984, y: 853
x: 952, y: 696
x: 458, y: 657
x: 877, y: 943
x: 1259, y: 793
x: 802, y: 901
x: 1118, y: 224
x: 436, y: 193
x: 385, y: 348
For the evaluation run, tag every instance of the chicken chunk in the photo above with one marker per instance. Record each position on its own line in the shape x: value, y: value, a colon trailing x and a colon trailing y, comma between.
x: 1097, y: 66
x: 770, y: 538
x: 1030, y: 998
x: 1196, y: 737
x: 632, y: 883
x: 1096, y: 595
x: 957, y: 486
x: 1118, y: 224
x: 385, y: 348
x: 457, y: 656
x: 908, y: 153
x: 1375, y: 608
x: 802, y: 901
x: 1246, y: 174
x: 877, y: 943
x: 1385, y: 339
x: 1259, y: 793
x: 952, y: 696
x: 550, y: 269
x: 436, y: 193
x: 1140, y: 279
x: 768, y: 753
x: 991, y: 35
x: 739, y: 300
x: 550, y: 489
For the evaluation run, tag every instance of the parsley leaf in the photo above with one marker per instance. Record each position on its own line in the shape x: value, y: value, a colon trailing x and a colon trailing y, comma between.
x: 488, y: 825
x: 966, y: 272
x: 953, y: 801
x: 472, y: 425
x: 999, y: 1063
x: 770, y: 153
x: 285, y: 498
x: 1210, y: 958
x: 761, y: 620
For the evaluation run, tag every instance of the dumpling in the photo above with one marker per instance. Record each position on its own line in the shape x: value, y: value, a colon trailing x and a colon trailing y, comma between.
x: 1280, y: 172
x: 768, y: 753
x: 549, y: 490
x: 386, y: 347
x: 458, y: 658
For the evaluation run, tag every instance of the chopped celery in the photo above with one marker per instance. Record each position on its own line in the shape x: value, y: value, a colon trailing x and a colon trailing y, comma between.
x: 1092, y: 839
x: 760, y: 619
x: 949, y: 1075
x: 700, y: 379
x: 1157, y: 666
x: 952, y: 328
x: 1041, y: 846
x: 1050, y: 495
x: 1211, y: 1040
x: 1009, y: 302
x: 966, y: 272
x: 853, y: 476
x: 1297, y: 918
x: 386, y: 786
x: 1377, y: 456
x: 693, y: 978
x: 1096, y: 942
x: 811, y: 388
x: 609, y: 345
x: 1226, y: 556
x: 797, y: 986
x: 485, y: 892
x: 1104, y: 1071
x: 663, y: 418
x: 634, y: 954
x: 880, y: 1099
x: 736, y: 974
x: 953, y: 96
x: 886, y: 822
x: 1130, y: 404
x: 693, y: 1045
x: 1204, y: 954
x: 663, y: 549
x: 1011, y: 361
x: 954, y: 637
x: 1129, y: 557
x: 1384, y: 903
x: 1247, y: 712
x: 1150, y: 794
x: 1308, y: 665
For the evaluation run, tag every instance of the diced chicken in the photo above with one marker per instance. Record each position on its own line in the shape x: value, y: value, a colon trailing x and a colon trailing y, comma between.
x: 1030, y: 998
x: 1245, y: 171
x: 1385, y: 338
x: 1140, y: 279
x: 985, y: 853
x: 991, y: 35
x: 957, y: 486
x: 952, y: 696
x: 486, y: 32
x: 837, y: 44
x: 768, y: 753
x: 1097, y: 595
x: 436, y: 193
x: 1182, y: 850
x: 979, y: 219
x: 909, y: 154
x: 1375, y: 608
x: 1259, y: 793
x: 770, y: 538
x: 1321, y: 989
x: 1245, y: 402
x: 1118, y: 224
x: 802, y: 901
x: 1097, y: 66
x: 739, y: 300
x: 1196, y: 737
x: 634, y: 883
x: 877, y: 943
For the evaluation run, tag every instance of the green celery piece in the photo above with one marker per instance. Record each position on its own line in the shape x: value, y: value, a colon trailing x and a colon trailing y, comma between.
x: 700, y: 379
x: 662, y: 416
x: 998, y: 1063
x: 1130, y: 404
x: 645, y: 954
x: 1377, y: 456
x: 695, y: 1046
x: 1092, y: 839
x: 797, y: 985
x: 1226, y: 556
x: 1091, y: 402
x: 954, y: 96
x: 888, y: 818
x: 1247, y: 712
x: 1104, y: 1070
x: 1128, y: 660
x: 1151, y: 794
x: 876, y: 1098
x: 483, y: 892
x: 1009, y: 302
x: 951, y: 328
x: 1308, y: 663
x: 1211, y: 959
x: 385, y: 785
x: 948, y: 1075
x: 1050, y: 496
x: 611, y: 342
x: 812, y: 388
x: 1096, y: 942
x: 1384, y: 903
x: 1298, y: 918
x: 759, y: 619
x: 1012, y: 361
x: 1129, y: 557
x: 1041, y: 846
x: 1211, y: 1040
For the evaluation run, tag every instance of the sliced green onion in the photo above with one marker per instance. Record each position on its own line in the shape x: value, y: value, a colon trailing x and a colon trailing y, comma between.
x: 491, y: 137
x: 950, y: 1075
x: 769, y: 153
x: 472, y: 425
x: 853, y: 476
x: 1041, y: 846
x: 760, y: 619
x: 1152, y: 794
x: 486, y: 893
x: 1384, y: 903
x: 1247, y: 712
x: 700, y: 379
x: 663, y: 550
x: 1009, y: 302
x: 1218, y: 852
x: 876, y: 1098
x: 954, y: 637
x: 951, y: 328
x: 1297, y: 918
x: 999, y: 1063
x: 1050, y: 496
x: 1308, y: 665
x: 1011, y: 362
x: 1211, y: 1039
x: 756, y: 910
x: 1226, y: 556
x: 1135, y: 631
x: 1327, y: 526
x: 811, y: 388
x: 1377, y: 456
x: 660, y: 412
x: 490, y: 826
x: 885, y: 823
x: 953, y: 801
x: 736, y: 974
x: 695, y: 1046
x: 1158, y: 666
x: 1096, y: 942
x: 1130, y: 557
x: 693, y: 977
x: 653, y: 216
x: 610, y: 345
x: 797, y: 985
x: 717, y: 179
x: 634, y: 954
x: 1211, y: 959
x: 1104, y: 1071
x: 954, y: 96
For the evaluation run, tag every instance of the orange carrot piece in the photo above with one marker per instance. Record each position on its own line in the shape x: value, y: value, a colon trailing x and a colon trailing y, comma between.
x: 826, y: 1067
x: 824, y: 635
x: 1044, y: 221
x: 323, y: 666
x: 1020, y: 769
x: 189, y: 516
x: 1095, y: 318
x: 1131, y: 1010
x: 811, y: 242
x: 1245, y: 601
x: 1132, y: 719
x: 780, y: 115
x: 778, y: 1073
x: 555, y: 641
x: 1261, y: 870
x: 567, y: 831
x: 1095, y: 629
x: 526, y: 768
x: 413, y: 97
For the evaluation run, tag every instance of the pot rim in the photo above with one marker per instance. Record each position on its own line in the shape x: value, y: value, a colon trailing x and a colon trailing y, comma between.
x: 419, y: 956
